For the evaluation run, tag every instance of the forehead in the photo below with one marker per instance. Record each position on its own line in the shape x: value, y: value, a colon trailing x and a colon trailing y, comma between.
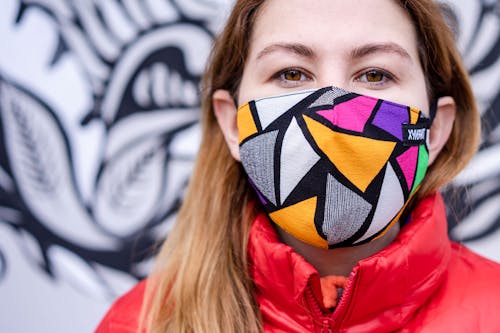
x: 331, y: 27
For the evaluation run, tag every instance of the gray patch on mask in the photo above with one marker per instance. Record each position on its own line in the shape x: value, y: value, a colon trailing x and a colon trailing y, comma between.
x: 257, y: 157
x: 341, y: 221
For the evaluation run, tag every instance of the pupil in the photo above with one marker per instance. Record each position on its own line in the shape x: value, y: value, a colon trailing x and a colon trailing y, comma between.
x: 292, y: 75
x: 374, y: 76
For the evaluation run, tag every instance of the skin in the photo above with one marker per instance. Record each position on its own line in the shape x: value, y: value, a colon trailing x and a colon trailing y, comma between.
x: 365, y: 46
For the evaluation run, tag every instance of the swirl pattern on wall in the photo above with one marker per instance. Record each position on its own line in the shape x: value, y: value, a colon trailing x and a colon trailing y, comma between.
x: 91, y: 186
x: 141, y: 63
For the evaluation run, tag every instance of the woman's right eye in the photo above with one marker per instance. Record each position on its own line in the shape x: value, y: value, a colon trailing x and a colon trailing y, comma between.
x: 291, y: 76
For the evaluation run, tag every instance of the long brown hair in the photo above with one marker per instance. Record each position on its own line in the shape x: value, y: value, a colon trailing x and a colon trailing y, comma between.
x: 201, y: 281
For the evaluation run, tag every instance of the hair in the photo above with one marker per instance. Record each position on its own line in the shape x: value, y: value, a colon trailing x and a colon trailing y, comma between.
x: 201, y: 281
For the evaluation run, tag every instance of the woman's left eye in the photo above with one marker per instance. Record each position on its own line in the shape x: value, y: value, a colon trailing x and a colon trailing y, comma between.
x: 374, y: 76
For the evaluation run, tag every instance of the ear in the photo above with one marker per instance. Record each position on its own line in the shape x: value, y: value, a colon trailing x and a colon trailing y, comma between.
x: 441, y: 126
x: 225, y: 112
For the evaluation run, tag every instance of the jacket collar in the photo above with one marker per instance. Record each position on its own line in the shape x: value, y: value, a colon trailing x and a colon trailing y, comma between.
x: 392, y: 284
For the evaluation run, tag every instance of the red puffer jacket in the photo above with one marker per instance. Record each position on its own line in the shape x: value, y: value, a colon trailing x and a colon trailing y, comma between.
x: 422, y: 283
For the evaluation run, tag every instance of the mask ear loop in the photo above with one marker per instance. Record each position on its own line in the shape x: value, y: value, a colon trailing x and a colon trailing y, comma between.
x: 432, y: 115
x: 432, y: 111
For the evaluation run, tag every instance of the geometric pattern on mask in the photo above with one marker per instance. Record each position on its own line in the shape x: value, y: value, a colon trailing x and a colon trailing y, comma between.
x: 246, y: 125
x: 414, y: 114
x: 340, y: 221
x: 339, y: 115
x: 390, y: 202
x: 328, y: 98
x: 269, y: 109
x: 408, y: 163
x: 294, y: 168
x: 261, y: 152
x: 358, y: 158
x: 423, y: 162
x: 387, y: 115
x: 324, y: 152
x: 303, y: 226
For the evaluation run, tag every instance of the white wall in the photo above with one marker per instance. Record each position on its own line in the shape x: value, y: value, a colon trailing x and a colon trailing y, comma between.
x: 99, y: 128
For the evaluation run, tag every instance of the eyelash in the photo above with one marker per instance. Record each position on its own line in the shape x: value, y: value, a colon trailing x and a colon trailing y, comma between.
x: 386, y: 76
x: 280, y: 76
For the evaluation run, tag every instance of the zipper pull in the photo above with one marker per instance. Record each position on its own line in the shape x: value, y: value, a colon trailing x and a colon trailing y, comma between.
x: 327, y: 328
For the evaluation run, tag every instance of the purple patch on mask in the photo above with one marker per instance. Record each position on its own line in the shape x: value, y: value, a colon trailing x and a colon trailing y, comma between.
x: 390, y: 117
x: 261, y: 198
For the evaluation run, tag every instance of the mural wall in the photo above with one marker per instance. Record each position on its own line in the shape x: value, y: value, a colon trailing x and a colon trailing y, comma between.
x: 99, y: 127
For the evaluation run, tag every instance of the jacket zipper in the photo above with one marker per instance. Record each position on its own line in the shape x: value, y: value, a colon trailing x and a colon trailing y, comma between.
x: 344, y: 300
x: 318, y: 313
x: 329, y: 321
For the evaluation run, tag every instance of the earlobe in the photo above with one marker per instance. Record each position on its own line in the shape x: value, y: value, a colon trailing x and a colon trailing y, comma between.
x: 442, y: 126
x: 225, y: 112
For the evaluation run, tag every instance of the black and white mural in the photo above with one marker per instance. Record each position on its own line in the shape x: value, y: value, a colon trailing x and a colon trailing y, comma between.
x: 474, y: 197
x: 99, y: 107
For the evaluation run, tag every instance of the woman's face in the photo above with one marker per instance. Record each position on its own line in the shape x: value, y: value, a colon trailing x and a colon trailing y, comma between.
x: 365, y: 46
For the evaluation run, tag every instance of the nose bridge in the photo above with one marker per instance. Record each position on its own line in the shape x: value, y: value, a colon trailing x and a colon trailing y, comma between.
x: 333, y: 72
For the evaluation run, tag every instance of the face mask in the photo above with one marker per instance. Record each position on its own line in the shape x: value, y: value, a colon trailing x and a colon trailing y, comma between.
x: 333, y: 168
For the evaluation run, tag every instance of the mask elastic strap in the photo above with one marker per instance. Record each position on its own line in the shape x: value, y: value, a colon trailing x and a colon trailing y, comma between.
x: 432, y: 111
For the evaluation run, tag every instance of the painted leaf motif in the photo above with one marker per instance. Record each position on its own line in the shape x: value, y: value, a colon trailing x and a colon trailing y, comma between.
x: 68, y: 266
x: 130, y: 186
x: 3, y: 265
x: 138, y: 126
x: 181, y: 153
x: 116, y: 281
x: 39, y: 156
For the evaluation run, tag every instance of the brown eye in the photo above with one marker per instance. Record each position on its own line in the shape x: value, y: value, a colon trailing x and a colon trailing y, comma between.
x: 374, y: 76
x: 292, y: 75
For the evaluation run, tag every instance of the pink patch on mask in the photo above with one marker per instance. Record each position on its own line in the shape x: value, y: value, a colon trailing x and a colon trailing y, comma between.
x: 408, y: 163
x: 351, y: 115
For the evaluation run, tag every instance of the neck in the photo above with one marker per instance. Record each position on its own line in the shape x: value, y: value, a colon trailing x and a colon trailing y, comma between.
x: 339, y: 261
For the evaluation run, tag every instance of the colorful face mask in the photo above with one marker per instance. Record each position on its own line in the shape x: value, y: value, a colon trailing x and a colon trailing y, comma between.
x: 333, y: 168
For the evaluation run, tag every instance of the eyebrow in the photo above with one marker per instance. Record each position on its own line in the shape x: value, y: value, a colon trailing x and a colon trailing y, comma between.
x: 298, y: 49
x: 357, y: 53
x: 368, y: 49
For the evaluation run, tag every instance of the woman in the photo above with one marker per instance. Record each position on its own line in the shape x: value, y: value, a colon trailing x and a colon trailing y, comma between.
x: 328, y: 127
